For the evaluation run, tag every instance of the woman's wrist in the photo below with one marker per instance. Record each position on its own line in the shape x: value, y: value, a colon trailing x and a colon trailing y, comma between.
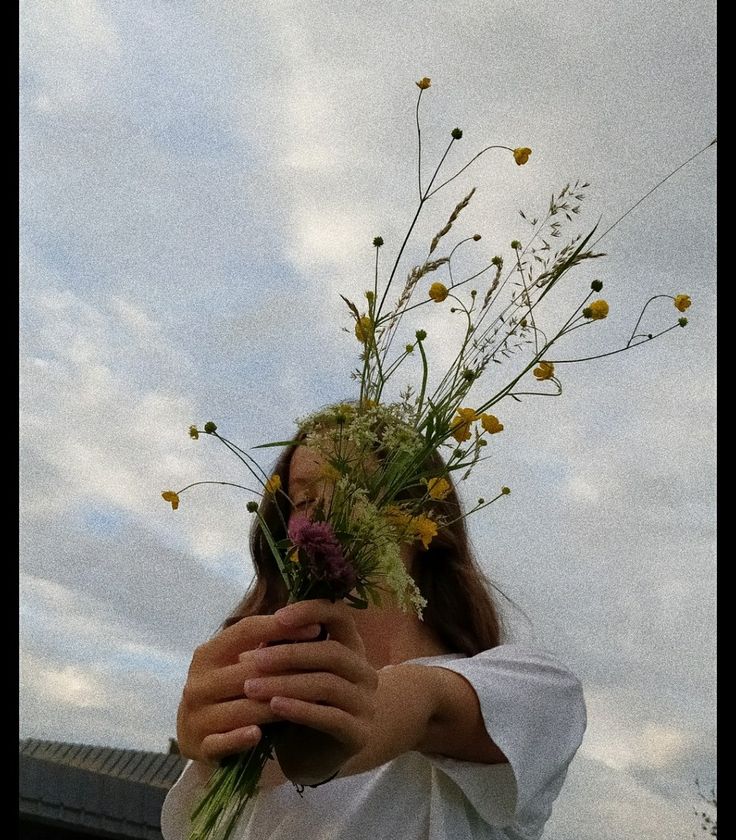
x: 407, y: 699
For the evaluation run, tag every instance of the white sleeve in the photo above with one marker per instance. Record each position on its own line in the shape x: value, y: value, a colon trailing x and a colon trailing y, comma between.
x: 181, y: 799
x: 534, y: 711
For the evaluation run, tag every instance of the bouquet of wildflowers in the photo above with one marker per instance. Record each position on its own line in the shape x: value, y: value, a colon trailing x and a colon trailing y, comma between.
x: 386, y: 487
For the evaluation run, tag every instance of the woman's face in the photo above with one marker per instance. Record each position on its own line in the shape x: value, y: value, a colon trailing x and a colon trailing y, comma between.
x: 308, y: 484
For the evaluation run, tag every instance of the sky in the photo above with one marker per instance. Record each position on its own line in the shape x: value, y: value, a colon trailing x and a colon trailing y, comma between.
x: 199, y: 184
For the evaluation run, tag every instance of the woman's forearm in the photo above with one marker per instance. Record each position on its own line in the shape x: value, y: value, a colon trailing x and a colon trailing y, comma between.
x: 429, y: 709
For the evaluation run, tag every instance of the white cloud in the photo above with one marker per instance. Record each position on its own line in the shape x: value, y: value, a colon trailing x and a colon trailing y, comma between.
x: 650, y: 745
x: 107, y: 440
x: 598, y: 803
x: 78, y: 45
x: 69, y: 686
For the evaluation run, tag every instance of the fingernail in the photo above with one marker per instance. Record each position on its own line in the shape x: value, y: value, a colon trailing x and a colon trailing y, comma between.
x: 310, y: 629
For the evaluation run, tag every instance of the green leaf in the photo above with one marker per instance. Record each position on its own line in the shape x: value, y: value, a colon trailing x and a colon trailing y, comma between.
x: 374, y: 597
x: 358, y: 603
x: 277, y: 443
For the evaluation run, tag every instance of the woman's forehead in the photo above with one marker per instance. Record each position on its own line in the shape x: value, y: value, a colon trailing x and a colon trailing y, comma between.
x: 306, y: 466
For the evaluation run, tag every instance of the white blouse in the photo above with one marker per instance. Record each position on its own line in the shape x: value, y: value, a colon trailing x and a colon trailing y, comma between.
x: 533, y: 710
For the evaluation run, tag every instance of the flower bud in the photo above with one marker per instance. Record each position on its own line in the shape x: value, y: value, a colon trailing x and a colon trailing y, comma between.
x: 515, y: 244
x: 596, y: 285
x: 476, y: 237
x: 456, y: 134
x: 682, y: 322
x: 210, y: 428
x: 421, y: 335
x: 378, y: 241
x: 252, y: 507
x: 506, y: 490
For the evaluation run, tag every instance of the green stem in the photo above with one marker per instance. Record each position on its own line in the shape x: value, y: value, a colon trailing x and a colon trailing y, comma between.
x: 614, y: 352
x: 460, y: 171
x: 641, y: 315
x: 419, y: 145
x: 425, y: 372
x: 226, y: 483
x: 655, y: 187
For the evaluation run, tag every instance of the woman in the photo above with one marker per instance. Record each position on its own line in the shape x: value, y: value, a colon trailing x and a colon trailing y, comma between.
x: 422, y: 729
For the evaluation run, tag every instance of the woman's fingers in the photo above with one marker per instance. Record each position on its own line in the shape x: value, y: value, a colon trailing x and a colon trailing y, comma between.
x: 337, y: 617
x: 214, y: 685
x: 350, y: 730
x: 235, y: 714
x: 313, y: 687
x: 244, y: 635
x: 218, y: 745
x: 329, y: 656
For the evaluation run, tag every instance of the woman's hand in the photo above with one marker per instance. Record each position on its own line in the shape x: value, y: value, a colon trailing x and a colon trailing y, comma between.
x: 214, y: 719
x: 327, y: 686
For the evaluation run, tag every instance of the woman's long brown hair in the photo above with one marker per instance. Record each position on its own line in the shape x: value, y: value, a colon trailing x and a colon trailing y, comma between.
x: 460, y: 607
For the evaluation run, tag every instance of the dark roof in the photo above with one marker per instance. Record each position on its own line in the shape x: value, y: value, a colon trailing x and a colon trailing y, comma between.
x: 102, y: 790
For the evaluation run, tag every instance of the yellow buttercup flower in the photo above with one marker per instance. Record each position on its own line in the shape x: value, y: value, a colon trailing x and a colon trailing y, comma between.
x: 424, y: 83
x: 364, y: 329
x: 397, y: 516
x: 194, y: 433
x: 521, y: 155
x: 438, y: 488
x: 438, y: 292
x: 461, y: 423
x: 597, y: 311
x: 273, y: 484
x: 424, y: 528
x: 170, y: 496
x: 546, y: 370
x: 682, y: 302
x: 490, y: 424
